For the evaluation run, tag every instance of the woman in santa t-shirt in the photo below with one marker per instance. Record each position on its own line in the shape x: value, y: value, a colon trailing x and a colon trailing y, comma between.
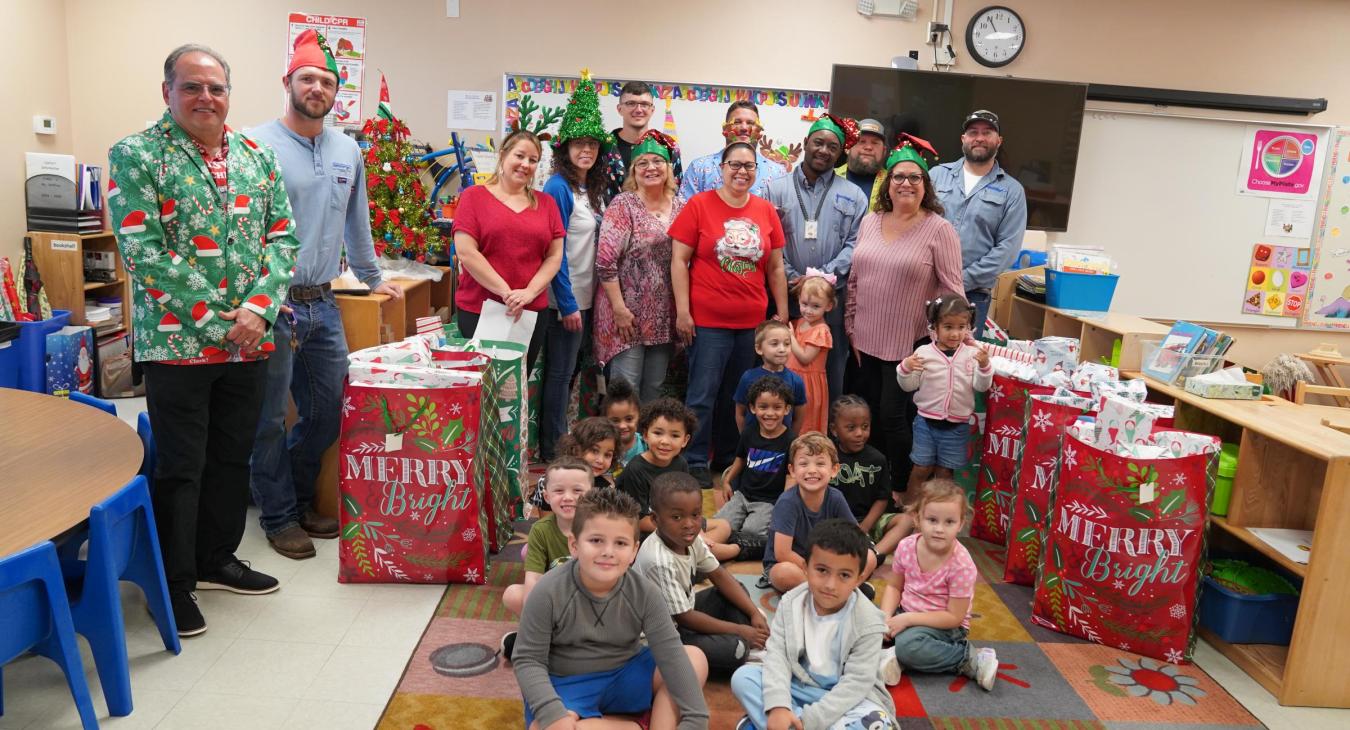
x: 728, y: 248
x: 509, y: 241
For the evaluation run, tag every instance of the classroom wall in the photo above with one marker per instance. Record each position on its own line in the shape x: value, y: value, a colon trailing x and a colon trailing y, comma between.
x: 36, y: 33
x: 115, y: 51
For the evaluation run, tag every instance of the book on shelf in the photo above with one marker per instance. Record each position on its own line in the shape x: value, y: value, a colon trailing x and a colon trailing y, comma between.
x: 1184, y: 339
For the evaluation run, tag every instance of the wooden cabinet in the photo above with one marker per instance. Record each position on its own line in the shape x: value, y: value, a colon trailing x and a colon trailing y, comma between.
x: 1097, y: 332
x: 365, y: 317
x: 60, y: 260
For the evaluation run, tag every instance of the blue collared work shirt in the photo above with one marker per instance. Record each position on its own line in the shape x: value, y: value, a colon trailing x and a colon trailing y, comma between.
x: 990, y: 221
x: 836, y: 232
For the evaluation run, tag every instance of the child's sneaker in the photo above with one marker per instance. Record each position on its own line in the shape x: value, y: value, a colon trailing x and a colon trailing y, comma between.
x: 981, y: 666
x: 869, y: 591
x: 507, y: 645
x: 890, y: 668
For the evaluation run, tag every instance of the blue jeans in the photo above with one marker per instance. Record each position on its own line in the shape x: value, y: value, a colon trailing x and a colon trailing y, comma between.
x: 747, y: 684
x: 284, y: 466
x: 979, y: 298
x: 560, y: 364
x: 932, y: 651
x: 717, y: 359
x: 644, y: 367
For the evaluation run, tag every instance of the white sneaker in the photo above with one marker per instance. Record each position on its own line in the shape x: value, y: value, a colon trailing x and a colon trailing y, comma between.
x: 755, y: 656
x: 889, y: 668
x: 986, y: 666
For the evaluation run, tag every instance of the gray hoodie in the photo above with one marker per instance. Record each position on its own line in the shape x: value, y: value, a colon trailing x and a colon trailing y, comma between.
x: 859, y: 678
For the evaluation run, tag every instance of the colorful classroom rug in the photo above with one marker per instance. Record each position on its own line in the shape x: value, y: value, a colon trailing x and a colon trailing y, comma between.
x: 1046, y: 680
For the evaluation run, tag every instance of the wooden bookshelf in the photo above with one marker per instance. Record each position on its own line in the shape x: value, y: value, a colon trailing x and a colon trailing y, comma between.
x: 60, y: 260
x: 1293, y: 472
x: 1096, y: 332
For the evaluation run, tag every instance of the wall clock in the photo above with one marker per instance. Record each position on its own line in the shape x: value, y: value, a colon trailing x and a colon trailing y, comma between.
x: 995, y: 35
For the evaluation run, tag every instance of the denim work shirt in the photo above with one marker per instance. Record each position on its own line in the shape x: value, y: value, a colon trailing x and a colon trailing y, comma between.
x: 831, y: 250
x: 326, y: 184
x: 990, y: 221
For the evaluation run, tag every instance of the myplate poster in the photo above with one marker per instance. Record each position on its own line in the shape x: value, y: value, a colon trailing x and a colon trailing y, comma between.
x: 346, y: 38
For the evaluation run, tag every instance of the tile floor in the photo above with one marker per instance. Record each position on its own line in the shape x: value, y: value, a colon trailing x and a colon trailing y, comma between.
x: 318, y: 654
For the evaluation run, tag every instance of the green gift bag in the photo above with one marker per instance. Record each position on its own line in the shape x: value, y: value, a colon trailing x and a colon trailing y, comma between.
x: 968, y: 476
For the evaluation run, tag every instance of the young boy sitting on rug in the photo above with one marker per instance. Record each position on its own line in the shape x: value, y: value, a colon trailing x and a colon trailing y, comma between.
x: 820, y: 665
x: 773, y: 344
x: 722, y: 621
x: 759, y: 472
x: 565, y: 480
x: 579, y: 653
x: 932, y: 583
x: 812, y: 462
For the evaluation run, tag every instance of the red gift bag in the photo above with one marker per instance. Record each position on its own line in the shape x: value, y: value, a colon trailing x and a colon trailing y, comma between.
x: 1046, y: 418
x: 1002, y: 439
x: 1124, y: 545
x: 411, y: 509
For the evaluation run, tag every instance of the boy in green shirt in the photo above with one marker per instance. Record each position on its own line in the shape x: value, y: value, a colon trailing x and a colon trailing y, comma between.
x: 565, y: 481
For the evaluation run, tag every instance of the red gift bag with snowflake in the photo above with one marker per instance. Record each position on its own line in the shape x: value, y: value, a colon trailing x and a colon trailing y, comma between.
x: 998, y: 459
x: 411, y: 508
x: 1124, y: 544
x: 1047, y: 416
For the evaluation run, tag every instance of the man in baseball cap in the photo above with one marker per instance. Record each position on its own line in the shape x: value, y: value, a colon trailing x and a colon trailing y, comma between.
x: 864, y: 167
x: 986, y: 204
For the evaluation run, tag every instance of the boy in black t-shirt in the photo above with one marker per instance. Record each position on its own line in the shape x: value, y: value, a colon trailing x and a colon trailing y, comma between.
x: 759, y: 473
x: 667, y: 425
x: 863, y: 476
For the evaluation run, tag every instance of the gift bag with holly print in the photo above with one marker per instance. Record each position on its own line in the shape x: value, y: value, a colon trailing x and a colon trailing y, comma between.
x: 1125, y: 542
x: 411, y: 510
x: 998, y: 455
x: 1047, y: 417
x: 968, y: 476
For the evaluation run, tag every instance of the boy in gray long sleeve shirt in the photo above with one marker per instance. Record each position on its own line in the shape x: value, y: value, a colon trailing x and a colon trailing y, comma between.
x: 579, y: 653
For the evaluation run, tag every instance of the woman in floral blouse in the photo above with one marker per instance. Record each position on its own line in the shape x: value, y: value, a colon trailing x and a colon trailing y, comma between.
x: 634, y: 329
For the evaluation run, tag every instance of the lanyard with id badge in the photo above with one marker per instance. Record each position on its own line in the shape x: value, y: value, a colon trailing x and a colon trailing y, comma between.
x: 810, y: 229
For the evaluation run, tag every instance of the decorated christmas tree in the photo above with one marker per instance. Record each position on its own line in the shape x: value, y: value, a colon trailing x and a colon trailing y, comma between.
x: 400, y: 221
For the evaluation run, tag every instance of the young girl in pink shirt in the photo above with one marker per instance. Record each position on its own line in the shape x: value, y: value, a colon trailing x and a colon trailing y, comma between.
x: 932, y: 583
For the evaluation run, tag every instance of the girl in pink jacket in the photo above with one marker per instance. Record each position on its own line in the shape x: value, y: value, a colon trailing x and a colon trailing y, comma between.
x: 946, y: 374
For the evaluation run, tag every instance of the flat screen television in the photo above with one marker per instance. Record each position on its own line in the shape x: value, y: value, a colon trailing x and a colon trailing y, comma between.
x: 1040, y: 121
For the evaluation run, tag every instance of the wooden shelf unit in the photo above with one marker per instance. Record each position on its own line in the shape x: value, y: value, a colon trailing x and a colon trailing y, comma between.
x: 60, y: 259
x: 1096, y: 332
x: 1293, y: 472
x: 363, y: 316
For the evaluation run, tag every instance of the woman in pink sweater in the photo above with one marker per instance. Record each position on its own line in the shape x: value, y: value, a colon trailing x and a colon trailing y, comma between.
x: 906, y: 253
x: 946, y: 375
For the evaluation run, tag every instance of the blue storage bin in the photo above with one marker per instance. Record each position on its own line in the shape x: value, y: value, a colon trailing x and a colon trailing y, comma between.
x: 1087, y: 292
x: 1247, y: 619
x: 9, y: 355
x: 32, y: 346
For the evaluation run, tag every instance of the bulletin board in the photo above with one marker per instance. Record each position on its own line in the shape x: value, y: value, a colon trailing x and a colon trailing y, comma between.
x: 1329, y: 300
x: 691, y: 112
x: 1158, y: 193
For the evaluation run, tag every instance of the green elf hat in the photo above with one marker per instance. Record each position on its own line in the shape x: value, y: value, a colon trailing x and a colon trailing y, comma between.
x: 581, y: 117
x: 653, y: 142
x: 914, y: 149
x: 844, y: 128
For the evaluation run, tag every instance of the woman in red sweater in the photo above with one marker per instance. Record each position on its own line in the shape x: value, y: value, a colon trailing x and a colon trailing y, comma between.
x: 728, y: 247
x: 509, y: 241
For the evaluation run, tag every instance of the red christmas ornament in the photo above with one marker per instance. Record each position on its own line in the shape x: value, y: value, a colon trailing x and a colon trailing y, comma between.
x: 378, y: 218
x: 394, y: 217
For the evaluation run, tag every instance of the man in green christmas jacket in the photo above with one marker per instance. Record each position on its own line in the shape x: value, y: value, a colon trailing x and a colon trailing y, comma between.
x: 204, y: 227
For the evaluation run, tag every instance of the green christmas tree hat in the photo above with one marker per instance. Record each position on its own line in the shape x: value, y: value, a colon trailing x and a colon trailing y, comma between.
x: 582, y: 118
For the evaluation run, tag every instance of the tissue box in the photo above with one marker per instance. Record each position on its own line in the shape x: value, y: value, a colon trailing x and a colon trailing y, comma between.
x: 1229, y: 391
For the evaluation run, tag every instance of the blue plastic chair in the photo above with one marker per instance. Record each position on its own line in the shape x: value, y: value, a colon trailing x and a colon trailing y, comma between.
x: 37, y: 617
x: 99, y: 403
x: 148, y: 444
x: 123, y: 545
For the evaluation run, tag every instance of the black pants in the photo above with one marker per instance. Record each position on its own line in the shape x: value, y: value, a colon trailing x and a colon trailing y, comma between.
x: 468, y: 324
x: 893, y: 413
x: 204, y: 418
x: 725, y: 652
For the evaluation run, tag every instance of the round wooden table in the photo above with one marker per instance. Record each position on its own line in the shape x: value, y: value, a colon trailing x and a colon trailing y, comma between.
x: 57, y: 460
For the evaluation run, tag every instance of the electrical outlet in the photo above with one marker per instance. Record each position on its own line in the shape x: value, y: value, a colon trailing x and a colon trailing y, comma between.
x: 935, y: 31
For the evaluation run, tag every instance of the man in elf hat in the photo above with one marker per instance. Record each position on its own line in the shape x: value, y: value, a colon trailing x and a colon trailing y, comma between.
x: 204, y: 227
x: 742, y: 125
x: 987, y: 206
x: 864, y: 167
x: 326, y: 185
x: 820, y: 216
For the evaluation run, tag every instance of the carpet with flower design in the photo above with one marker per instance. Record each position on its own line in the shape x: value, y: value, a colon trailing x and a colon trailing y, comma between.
x: 1046, y: 680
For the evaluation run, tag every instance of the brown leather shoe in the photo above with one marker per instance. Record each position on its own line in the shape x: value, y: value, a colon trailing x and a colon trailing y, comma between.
x: 293, y: 543
x: 316, y: 525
